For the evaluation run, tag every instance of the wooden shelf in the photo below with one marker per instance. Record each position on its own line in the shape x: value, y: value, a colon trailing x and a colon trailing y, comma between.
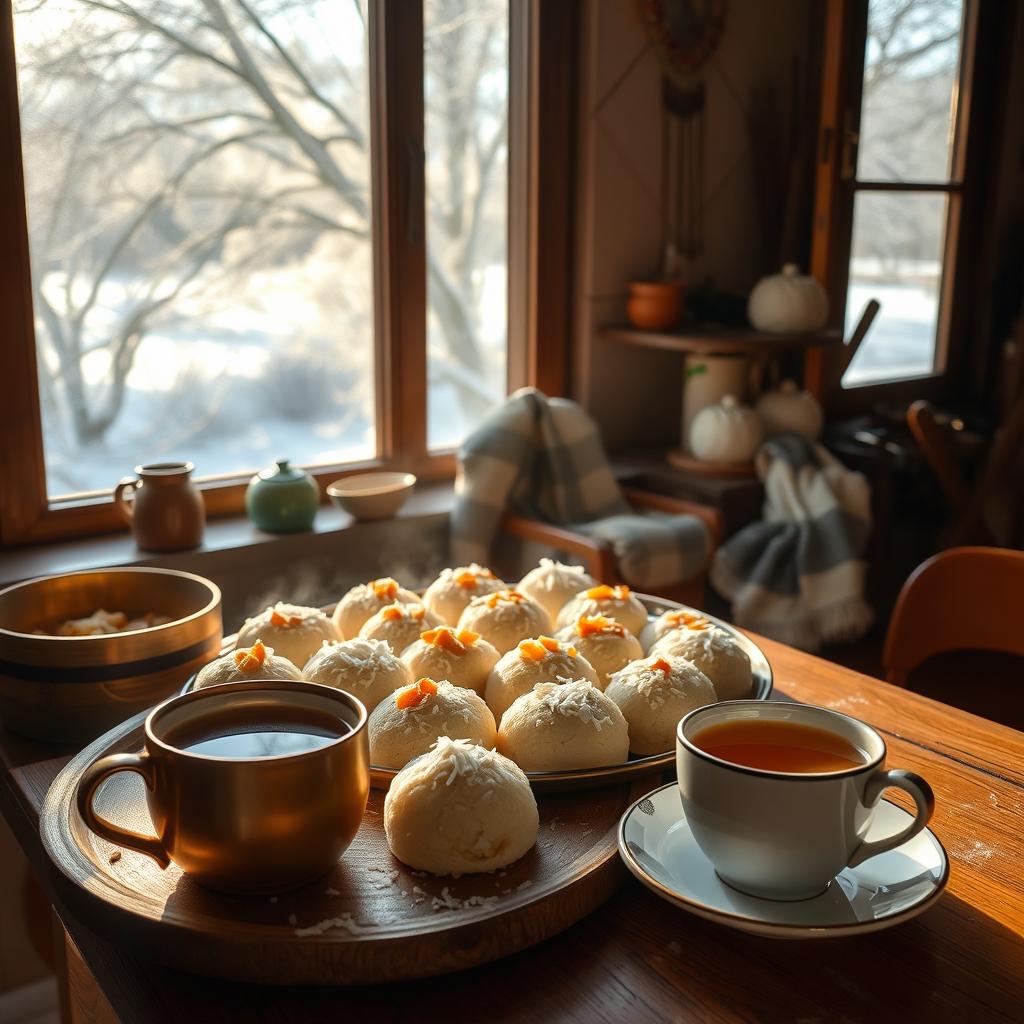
x: 713, y: 339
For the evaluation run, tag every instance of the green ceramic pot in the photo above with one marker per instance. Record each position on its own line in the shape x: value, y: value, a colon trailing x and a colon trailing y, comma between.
x: 282, y: 499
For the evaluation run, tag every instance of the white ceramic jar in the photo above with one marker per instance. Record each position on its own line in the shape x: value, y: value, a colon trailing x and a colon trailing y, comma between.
x: 726, y: 432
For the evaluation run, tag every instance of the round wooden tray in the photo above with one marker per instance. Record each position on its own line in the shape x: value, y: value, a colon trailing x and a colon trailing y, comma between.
x: 370, y: 920
x: 636, y: 767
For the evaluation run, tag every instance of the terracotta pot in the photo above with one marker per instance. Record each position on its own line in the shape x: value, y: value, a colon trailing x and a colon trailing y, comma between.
x: 655, y: 305
x: 167, y: 512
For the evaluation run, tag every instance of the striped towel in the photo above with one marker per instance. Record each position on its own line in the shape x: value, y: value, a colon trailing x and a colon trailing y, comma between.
x: 798, y: 575
x: 543, y: 458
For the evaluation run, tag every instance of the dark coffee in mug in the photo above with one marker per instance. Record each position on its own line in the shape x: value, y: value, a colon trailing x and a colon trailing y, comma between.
x: 779, y: 746
x: 256, y: 732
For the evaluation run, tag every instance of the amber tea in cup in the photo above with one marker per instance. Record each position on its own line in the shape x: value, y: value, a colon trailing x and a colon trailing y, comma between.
x: 779, y: 746
x: 780, y: 796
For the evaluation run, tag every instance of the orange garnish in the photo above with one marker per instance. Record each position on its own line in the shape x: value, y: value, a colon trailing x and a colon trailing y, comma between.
x: 394, y: 612
x: 531, y: 650
x: 467, y: 580
x: 688, y: 619
x: 605, y: 593
x: 467, y: 637
x: 535, y: 650
x: 661, y: 665
x: 249, y: 660
x: 445, y: 638
x: 504, y: 596
x: 413, y: 696
x: 385, y: 587
x: 589, y: 625
x: 277, y: 619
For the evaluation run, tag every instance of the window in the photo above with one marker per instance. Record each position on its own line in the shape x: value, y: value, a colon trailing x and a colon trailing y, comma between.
x: 466, y: 119
x: 906, y: 173
x: 257, y: 228
x: 198, y: 191
x: 892, y: 180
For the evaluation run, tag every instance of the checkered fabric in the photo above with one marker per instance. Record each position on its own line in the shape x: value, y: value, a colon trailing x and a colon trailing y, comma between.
x: 543, y: 458
x: 798, y: 575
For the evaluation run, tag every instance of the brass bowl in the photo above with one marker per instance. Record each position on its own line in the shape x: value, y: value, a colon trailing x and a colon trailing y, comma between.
x: 72, y: 689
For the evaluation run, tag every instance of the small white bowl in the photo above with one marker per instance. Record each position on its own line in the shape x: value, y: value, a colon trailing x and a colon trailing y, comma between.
x: 372, y: 495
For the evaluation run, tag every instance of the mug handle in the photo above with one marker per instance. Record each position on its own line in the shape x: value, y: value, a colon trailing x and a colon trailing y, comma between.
x: 924, y: 798
x: 120, y: 500
x: 90, y: 782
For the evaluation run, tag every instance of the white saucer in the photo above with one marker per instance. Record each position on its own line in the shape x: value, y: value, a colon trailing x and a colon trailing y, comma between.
x: 658, y: 847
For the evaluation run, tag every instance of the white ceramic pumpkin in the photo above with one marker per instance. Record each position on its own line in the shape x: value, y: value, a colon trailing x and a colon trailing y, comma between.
x: 790, y: 411
x: 726, y: 432
x: 787, y: 303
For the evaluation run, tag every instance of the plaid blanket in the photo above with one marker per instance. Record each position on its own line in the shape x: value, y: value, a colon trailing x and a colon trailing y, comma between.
x: 798, y: 575
x: 543, y: 458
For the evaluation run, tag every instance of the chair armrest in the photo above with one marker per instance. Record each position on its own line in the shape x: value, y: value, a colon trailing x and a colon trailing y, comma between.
x: 711, y: 517
x: 597, y: 555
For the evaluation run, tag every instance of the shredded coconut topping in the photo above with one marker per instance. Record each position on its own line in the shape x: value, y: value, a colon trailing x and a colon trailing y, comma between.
x: 572, y: 698
x: 654, y: 683
x: 365, y: 657
x: 551, y: 574
x: 466, y: 761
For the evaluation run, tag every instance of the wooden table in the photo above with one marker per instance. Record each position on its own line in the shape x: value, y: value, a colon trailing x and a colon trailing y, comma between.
x: 638, y: 959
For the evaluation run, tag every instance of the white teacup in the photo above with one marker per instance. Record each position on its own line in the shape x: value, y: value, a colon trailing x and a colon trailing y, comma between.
x: 786, y: 835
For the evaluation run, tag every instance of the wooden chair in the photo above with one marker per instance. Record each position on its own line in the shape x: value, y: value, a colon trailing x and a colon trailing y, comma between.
x: 961, y: 599
x: 598, y: 556
x: 969, y: 507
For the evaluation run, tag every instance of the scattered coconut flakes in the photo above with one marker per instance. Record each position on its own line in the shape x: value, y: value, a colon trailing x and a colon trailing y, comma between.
x: 346, y: 922
x: 419, y: 892
x: 331, y: 892
x: 524, y: 885
x: 446, y: 900
x: 292, y: 919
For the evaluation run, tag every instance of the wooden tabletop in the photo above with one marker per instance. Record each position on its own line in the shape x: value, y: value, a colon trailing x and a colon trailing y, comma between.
x: 639, y: 959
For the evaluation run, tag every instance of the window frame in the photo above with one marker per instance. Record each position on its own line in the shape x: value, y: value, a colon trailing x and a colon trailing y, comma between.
x: 836, y: 187
x: 542, y: 47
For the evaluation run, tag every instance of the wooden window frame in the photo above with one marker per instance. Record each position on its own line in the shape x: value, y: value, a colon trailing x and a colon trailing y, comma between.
x: 542, y: 47
x: 845, y: 37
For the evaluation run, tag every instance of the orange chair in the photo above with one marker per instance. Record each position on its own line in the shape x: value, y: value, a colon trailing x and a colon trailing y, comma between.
x: 961, y: 599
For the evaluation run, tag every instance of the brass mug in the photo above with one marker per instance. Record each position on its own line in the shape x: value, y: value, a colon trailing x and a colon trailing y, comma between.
x: 244, y: 825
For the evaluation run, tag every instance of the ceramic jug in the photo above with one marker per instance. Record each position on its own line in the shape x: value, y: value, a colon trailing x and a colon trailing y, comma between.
x: 166, y: 512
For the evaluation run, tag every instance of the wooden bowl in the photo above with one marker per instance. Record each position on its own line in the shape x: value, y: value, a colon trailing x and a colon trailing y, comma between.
x: 372, y: 495
x: 71, y: 689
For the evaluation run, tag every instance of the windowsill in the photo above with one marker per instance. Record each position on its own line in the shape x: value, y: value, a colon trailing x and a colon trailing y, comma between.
x: 223, y: 535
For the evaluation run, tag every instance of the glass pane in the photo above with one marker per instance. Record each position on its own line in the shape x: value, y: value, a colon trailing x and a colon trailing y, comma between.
x: 198, y: 198
x: 910, y: 84
x: 896, y: 257
x: 466, y: 114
